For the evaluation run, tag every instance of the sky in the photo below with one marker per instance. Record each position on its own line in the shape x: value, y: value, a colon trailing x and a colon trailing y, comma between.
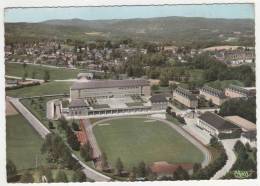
x: 126, y: 12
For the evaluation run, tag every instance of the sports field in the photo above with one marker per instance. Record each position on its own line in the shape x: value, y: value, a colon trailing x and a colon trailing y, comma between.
x: 43, y: 89
x: 14, y: 69
x: 22, y: 143
x: 142, y: 139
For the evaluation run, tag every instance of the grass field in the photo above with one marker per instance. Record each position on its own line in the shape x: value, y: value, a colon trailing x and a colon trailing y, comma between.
x: 14, y: 69
x: 134, y: 140
x: 224, y: 84
x: 43, y: 89
x: 23, y: 143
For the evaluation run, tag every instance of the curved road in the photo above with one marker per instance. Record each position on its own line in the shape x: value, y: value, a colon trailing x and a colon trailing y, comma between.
x: 43, y: 131
x: 231, y: 158
x: 204, y: 150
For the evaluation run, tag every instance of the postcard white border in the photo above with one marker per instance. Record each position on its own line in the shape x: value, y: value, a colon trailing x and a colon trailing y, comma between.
x: 74, y: 3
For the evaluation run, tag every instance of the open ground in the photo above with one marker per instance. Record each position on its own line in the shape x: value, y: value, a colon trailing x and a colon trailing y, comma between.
x: 135, y: 140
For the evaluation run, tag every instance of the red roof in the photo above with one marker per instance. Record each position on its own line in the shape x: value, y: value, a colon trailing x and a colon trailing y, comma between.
x: 163, y: 167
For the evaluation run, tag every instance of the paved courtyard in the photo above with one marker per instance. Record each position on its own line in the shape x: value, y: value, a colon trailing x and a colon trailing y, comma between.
x: 115, y: 102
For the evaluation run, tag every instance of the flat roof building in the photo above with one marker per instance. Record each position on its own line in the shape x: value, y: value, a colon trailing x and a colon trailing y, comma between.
x: 185, y: 97
x: 110, y: 88
x: 244, y: 124
x: 215, y: 124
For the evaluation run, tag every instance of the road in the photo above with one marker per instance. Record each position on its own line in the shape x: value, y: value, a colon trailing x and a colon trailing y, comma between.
x: 231, y: 158
x: 35, y: 123
x: 30, y: 79
x: 43, y: 131
x: 194, y: 141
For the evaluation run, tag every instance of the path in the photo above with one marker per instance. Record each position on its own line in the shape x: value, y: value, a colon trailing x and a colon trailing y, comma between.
x: 43, y: 131
x: 231, y: 158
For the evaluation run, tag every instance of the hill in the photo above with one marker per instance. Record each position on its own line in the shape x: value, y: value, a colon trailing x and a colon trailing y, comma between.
x: 175, y: 29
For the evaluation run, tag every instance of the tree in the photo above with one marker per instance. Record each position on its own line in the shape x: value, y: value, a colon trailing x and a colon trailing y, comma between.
x: 164, y: 79
x: 239, y: 147
x: 27, y: 178
x: 141, y: 170
x: 119, y: 167
x: 25, y: 74
x: 33, y: 75
x: 46, y: 76
x: 61, y: 177
x: 10, y: 169
x: 79, y: 176
x: 75, y: 126
x: 132, y: 175
x: 73, y: 141
x: 214, y: 141
x: 50, y: 125
x: 104, y: 163
x: 196, y: 167
x: 86, y: 151
x: 181, y: 174
x: 46, y: 175
x: 211, y: 103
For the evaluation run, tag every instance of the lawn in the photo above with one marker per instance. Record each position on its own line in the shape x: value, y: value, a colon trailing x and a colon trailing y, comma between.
x: 14, y: 69
x: 134, y: 140
x: 224, y: 84
x: 37, y: 106
x: 43, y: 89
x: 23, y: 143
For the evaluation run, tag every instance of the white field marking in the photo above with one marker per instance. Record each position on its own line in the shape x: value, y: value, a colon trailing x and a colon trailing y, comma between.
x: 104, y: 124
x: 149, y: 121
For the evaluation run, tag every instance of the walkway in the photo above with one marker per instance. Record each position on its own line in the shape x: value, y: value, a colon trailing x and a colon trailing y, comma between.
x: 43, y: 131
x: 231, y: 158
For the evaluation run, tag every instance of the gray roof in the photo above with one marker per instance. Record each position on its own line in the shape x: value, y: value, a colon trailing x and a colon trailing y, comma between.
x: 186, y: 93
x: 217, y: 121
x: 158, y: 98
x: 77, y: 103
x: 251, y: 135
x: 213, y: 91
x: 239, y: 89
x: 109, y: 84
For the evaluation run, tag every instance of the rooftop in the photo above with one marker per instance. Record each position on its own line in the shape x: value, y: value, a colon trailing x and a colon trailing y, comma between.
x: 217, y: 121
x: 77, y: 103
x: 163, y: 167
x: 109, y: 84
x: 213, y: 91
x: 158, y: 98
x: 241, y: 122
x: 186, y: 93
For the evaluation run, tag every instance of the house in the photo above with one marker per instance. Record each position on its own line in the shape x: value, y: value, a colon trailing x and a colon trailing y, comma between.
x: 234, y: 91
x: 249, y: 137
x: 216, y: 96
x: 185, y: 97
x: 163, y: 168
x: 215, y: 124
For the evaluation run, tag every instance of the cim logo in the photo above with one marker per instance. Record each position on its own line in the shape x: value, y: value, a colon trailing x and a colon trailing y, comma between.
x: 241, y: 174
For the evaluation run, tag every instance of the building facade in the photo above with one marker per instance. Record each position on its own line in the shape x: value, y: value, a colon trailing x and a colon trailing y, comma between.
x: 234, y: 91
x: 215, y: 124
x: 109, y: 88
x: 216, y: 96
x: 185, y: 97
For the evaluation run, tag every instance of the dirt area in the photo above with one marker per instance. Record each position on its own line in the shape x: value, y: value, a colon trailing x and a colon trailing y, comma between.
x: 10, y: 110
